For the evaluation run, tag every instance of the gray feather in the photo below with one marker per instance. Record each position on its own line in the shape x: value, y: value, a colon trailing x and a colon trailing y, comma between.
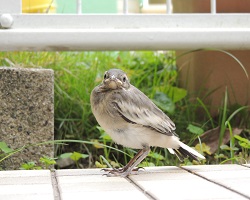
x: 136, y: 107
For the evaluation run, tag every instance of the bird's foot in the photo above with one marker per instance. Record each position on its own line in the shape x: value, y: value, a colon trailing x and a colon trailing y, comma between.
x: 122, y: 172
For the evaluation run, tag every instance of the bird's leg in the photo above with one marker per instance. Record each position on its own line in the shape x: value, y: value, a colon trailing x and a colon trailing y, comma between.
x: 133, y: 160
x: 130, y: 168
x: 139, y: 153
x: 125, y: 171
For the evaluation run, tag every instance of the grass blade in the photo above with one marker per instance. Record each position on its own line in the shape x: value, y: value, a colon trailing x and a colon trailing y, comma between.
x: 224, y: 115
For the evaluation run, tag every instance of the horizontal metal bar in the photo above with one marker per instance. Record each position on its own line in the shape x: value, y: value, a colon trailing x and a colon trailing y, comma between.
x: 10, y: 6
x: 134, y: 21
x: 123, y: 39
x: 131, y: 32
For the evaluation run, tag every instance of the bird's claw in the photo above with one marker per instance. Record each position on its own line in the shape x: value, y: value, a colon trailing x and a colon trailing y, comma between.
x: 122, y: 172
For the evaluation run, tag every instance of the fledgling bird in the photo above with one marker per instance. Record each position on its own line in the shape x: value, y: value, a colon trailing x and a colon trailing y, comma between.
x: 133, y: 120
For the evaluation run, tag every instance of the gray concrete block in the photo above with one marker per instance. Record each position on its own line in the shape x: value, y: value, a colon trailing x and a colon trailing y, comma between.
x: 26, y: 113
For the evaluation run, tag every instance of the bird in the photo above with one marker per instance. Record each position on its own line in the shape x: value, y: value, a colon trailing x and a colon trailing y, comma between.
x: 132, y: 120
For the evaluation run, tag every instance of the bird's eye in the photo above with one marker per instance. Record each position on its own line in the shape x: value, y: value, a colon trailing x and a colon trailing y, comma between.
x: 124, y: 79
x: 105, y: 76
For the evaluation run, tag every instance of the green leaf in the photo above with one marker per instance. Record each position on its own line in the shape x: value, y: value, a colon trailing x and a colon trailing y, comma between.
x: 84, y: 155
x: 146, y: 164
x: 156, y: 156
x: 241, y: 139
x: 176, y: 94
x: 203, y: 148
x: 227, y: 148
x: 76, y: 156
x: 164, y: 102
x: 105, y: 136
x: 219, y: 156
x: 100, y: 129
x: 28, y: 166
x: 47, y: 161
x: 65, y: 155
x: 4, y: 147
x: 243, y: 142
x: 97, y: 144
x: 99, y: 165
x: 244, y: 145
x: 195, y: 129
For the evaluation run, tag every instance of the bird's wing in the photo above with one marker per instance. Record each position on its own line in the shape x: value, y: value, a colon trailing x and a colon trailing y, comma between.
x: 136, y: 108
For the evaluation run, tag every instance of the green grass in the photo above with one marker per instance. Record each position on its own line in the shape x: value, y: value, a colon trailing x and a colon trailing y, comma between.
x: 77, y: 73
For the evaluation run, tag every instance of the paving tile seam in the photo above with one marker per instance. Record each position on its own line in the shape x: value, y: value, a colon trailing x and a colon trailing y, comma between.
x: 244, y: 166
x: 54, y: 181
x: 214, y: 182
x: 141, y: 189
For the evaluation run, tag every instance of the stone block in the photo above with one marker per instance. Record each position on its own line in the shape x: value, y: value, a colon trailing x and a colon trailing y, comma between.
x: 26, y: 113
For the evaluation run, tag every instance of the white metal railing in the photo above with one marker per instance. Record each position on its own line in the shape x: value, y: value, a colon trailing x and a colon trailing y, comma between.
x: 213, y: 6
x: 39, y: 32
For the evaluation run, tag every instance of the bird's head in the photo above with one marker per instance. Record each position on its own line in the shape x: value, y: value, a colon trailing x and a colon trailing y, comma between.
x: 115, y: 79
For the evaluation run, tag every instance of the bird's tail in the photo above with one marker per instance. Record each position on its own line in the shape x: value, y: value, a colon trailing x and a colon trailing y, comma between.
x: 185, y: 151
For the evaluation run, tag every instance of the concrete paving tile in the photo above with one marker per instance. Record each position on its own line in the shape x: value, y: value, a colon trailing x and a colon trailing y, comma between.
x: 20, y: 177
x: 26, y: 189
x: 226, y: 167
x: 236, y: 177
x: 246, y: 165
x: 26, y: 184
x: 24, y: 173
x: 104, y: 195
x: 24, y: 180
x: 95, y: 186
x: 93, y: 183
x: 162, y: 169
x: 78, y: 172
x: 181, y: 185
x: 27, y: 197
x: 160, y: 182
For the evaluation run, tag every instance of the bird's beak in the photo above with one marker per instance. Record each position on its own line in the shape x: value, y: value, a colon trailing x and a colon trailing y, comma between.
x: 113, y: 82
